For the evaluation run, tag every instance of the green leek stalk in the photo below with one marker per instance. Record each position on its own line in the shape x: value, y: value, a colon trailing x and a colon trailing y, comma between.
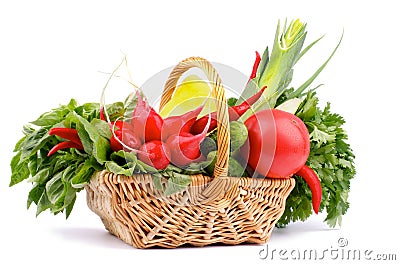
x: 276, y: 70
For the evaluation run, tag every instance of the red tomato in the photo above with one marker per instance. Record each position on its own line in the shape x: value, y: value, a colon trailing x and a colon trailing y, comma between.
x: 278, y: 143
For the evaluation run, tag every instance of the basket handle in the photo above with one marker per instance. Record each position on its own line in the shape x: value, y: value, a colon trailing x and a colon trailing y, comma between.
x: 218, y: 92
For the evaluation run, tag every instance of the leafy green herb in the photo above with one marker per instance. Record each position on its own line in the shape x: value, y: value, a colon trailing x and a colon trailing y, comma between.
x: 330, y: 157
x: 56, y: 179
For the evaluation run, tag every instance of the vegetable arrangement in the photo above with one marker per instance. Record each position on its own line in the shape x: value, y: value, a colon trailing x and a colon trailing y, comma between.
x: 276, y: 131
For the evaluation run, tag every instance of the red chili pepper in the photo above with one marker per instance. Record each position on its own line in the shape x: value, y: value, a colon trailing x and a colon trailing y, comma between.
x: 255, y: 66
x: 314, y: 183
x: 66, y: 133
x: 234, y: 113
x: 69, y: 134
x: 64, y: 145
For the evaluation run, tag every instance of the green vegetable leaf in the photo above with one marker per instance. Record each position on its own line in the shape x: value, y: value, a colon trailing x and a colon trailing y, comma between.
x: 176, y: 183
x: 321, y: 137
x: 308, y: 82
x: 157, y: 181
x: 102, y: 127
x: 232, y: 102
x: 52, y: 117
x: 40, y: 176
x: 84, y: 173
x: 93, y: 142
x: 19, y: 143
x: 43, y: 203
x: 55, y: 188
x: 85, y: 138
x: 143, y: 167
x: 100, y: 150
x: 35, y: 194
x: 33, y: 143
x: 19, y: 169
x: 116, y: 169
x: 70, y: 205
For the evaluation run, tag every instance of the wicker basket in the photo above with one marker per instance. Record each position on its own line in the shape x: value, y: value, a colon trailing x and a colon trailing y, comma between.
x: 218, y: 209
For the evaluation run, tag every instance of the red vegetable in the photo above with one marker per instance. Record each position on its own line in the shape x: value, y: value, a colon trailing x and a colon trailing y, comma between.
x: 127, y: 137
x: 185, y: 147
x: 121, y: 125
x: 102, y: 114
x: 314, y: 183
x: 69, y: 134
x: 278, y: 146
x: 234, y: 113
x: 180, y: 124
x: 255, y: 66
x: 66, y: 133
x: 147, y: 123
x: 155, y: 153
x: 64, y: 145
x: 123, y: 134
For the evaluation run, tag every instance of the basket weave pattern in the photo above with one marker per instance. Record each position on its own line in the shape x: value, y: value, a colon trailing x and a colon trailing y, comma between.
x: 132, y: 209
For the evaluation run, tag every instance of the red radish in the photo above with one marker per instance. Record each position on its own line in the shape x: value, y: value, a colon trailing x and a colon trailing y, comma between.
x: 153, y: 127
x: 185, y: 147
x: 179, y: 124
x: 155, y: 153
x: 126, y: 137
x: 147, y: 123
x: 278, y: 146
x: 123, y: 135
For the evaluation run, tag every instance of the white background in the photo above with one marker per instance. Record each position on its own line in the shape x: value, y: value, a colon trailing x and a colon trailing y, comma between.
x: 51, y: 51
